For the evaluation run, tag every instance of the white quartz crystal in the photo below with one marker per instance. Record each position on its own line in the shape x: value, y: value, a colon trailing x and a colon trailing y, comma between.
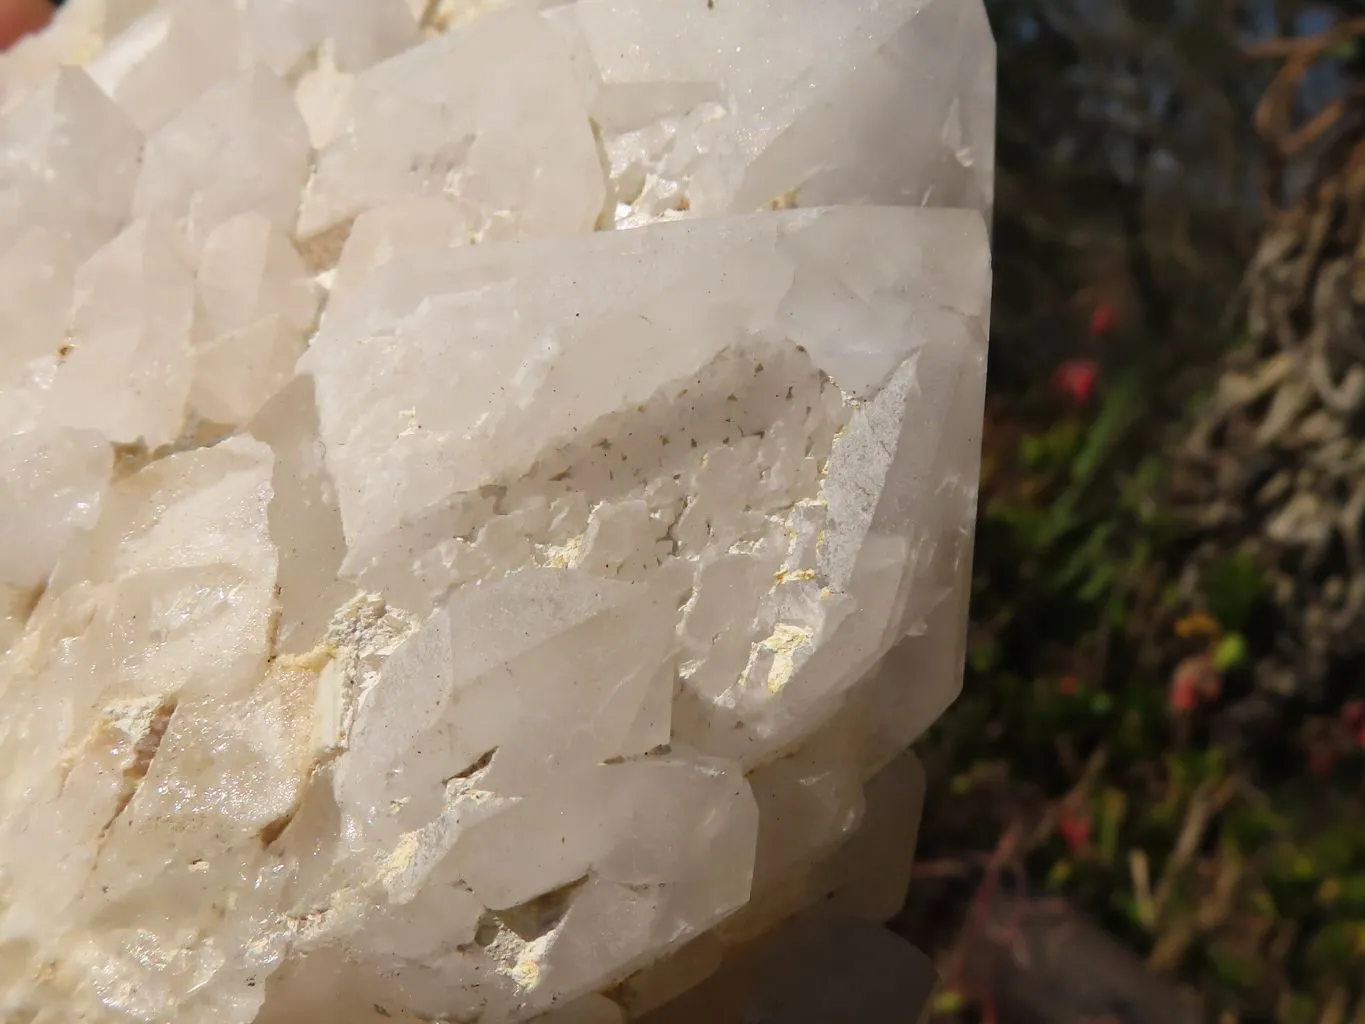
x: 486, y: 493
x: 50, y: 489
x: 166, y: 59
x: 241, y: 147
x: 127, y: 368
x: 286, y: 31
x: 65, y: 130
x: 236, y: 372
x: 407, y: 227
x: 249, y: 269
x: 720, y: 106
x: 486, y: 111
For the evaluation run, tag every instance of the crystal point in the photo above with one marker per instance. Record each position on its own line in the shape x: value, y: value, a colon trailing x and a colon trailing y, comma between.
x: 741, y: 106
x: 456, y: 116
x: 131, y: 321
x: 68, y: 161
x: 359, y: 34
x: 240, y: 147
x: 164, y: 60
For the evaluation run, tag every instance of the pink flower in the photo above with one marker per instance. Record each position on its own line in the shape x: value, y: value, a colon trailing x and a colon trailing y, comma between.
x: 1183, y: 695
x: 1075, y: 831
x: 1195, y: 680
x: 1075, y: 379
x: 1101, y: 320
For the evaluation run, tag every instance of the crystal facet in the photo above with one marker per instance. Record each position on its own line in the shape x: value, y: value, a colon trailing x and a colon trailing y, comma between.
x: 130, y: 322
x: 486, y: 111
x: 487, y: 496
x: 241, y: 147
x: 63, y: 132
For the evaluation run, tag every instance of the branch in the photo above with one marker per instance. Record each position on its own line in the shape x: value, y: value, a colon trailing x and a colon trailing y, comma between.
x: 1306, y: 46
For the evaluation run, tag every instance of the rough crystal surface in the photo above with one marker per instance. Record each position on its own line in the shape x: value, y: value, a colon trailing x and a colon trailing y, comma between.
x: 486, y: 492
x: 486, y: 110
x: 130, y: 322
x: 241, y: 147
x: 63, y: 131
x: 711, y: 108
x: 248, y: 270
x: 168, y: 57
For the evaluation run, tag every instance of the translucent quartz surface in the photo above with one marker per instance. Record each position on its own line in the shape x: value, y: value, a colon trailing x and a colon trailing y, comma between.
x: 486, y: 494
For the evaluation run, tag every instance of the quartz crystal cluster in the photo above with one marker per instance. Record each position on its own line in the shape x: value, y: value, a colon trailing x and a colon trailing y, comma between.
x: 486, y: 492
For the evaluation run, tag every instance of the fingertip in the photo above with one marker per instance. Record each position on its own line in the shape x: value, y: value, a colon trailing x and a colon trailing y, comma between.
x: 20, y: 17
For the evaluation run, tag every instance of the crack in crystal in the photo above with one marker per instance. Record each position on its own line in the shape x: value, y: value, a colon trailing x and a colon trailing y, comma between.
x: 145, y: 749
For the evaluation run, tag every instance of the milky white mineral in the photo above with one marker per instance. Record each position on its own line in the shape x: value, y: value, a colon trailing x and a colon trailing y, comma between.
x: 486, y: 494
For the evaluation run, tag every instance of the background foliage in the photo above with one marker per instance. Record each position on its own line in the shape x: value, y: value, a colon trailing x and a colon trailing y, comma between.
x: 1153, y: 157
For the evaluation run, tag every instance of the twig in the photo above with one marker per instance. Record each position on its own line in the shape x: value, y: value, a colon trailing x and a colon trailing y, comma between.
x: 1217, y: 908
x: 1335, y: 1010
x: 1203, y: 806
x: 1303, y: 137
x: 1171, y: 947
x: 1076, y: 796
x: 1140, y: 869
x: 1272, y: 113
x: 1298, y: 45
x: 953, y: 968
x: 941, y: 869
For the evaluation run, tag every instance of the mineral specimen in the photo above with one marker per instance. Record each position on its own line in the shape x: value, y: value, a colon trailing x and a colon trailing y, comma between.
x: 486, y: 492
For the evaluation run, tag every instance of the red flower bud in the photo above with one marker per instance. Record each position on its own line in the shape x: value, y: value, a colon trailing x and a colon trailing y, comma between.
x: 1184, y: 697
x: 1101, y: 320
x: 1075, y: 379
x: 1075, y: 831
x: 1195, y: 680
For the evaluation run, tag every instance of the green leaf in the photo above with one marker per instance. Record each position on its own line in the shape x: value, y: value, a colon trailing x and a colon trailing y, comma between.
x: 1232, y: 586
x: 1059, y: 874
x: 1127, y: 905
x: 1230, y: 652
x: 1351, y: 897
x: 1345, y: 52
x: 1086, y: 559
x: 1106, y: 432
x: 985, y: 655
x: 1264, y: 904
x: 1234, y: 971
x: 1213, y: 765
x: 1100, y: 583
x: 1301, y: 1009
x: 1292, y: 866
x: 1336, y: 851
x: 1113, y: 809
x: 1252, y: 826
x: 1117, y: 416
x: 948, y: 1001
x: 1336, y: 947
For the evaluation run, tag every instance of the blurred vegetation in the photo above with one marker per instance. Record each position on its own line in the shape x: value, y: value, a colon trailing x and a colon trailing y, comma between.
x: 1158, y: 161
